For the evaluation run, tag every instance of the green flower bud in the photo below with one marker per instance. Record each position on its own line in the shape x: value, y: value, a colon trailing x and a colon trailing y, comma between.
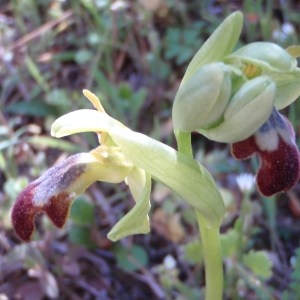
x: 201, y: 101
x: 248, y: 109
x: 267, y: 56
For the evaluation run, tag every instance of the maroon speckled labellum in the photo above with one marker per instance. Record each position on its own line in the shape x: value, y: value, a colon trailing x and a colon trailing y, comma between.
x: 54, y: 191
x: 279, y: 156
x: 58, y: 207
x: 24, y: 212
x: 51, y: 193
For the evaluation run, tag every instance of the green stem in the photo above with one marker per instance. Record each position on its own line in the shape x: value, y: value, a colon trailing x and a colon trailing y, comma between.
x: 240, y: 223
x: 184, y: 143
x: 210, y: 238
x: 240, y: 229
x: 211, y: 247
x: 270, y: 209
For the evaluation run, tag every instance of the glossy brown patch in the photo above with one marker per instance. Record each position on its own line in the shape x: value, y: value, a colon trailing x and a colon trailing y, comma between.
x: 279, y: 170
x: 58, y: 208
x: 23, y: 213
x: 244, y: 149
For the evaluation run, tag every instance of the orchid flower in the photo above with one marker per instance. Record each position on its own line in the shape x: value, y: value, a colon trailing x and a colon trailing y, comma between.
x: 233, y: 97
x: 227, y: 95
x: 123, y: 155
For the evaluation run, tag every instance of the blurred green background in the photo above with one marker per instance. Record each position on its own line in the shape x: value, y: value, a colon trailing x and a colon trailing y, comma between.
x: 132, y: 54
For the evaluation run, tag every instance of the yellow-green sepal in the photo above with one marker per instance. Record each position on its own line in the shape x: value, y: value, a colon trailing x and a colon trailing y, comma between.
x: 136, y: 221
x: 218, y: 45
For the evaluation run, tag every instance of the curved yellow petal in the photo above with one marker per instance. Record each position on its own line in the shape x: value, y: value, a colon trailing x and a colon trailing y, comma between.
x: 136, y: 221
x: 83, y: 120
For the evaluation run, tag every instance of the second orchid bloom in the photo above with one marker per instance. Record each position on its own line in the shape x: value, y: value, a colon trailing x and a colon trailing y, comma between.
x: 233, y: 97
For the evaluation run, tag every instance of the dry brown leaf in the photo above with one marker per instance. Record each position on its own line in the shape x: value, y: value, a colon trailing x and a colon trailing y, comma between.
x: 168, y: 226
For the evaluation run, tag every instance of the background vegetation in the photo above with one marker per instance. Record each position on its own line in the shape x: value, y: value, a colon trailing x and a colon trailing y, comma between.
x: 132, y: 54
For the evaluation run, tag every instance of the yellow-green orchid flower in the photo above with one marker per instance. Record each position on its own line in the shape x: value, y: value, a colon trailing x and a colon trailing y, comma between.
x: 123, y: 155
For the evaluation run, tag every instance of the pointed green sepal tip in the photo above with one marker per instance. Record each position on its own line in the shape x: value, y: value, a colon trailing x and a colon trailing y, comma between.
x: 287, y: 87
x: 220, y: 44
x: 293, y: 50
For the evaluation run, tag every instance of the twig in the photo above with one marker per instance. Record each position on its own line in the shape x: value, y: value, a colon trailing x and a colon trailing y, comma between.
x: 39, y: 31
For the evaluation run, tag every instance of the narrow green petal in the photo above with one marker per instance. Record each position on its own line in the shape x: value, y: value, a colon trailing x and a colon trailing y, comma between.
x: 136, y: 221
x: 182, y: 174
x: 218, y: 45
x: 294, y: 50
x: 287, y: 87
x: 136, y: 181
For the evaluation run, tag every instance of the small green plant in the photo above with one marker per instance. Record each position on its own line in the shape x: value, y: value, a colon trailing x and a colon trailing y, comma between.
x: 293, y: 290
x: 228, y: 96
x: 180, y: 44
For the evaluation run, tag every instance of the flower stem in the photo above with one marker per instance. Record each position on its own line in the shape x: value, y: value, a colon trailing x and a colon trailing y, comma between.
x: 240, y: 224
x: 210, y: 237
x: 184, y: 143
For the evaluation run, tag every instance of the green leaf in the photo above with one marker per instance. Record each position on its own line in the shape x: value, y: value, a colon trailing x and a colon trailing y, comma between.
x: 229, y: 242
x: 82, y: 212
x: 81, y: 236
x: 8, y: 143
x: 14, y: 186
x: 83, y: 56
x: 193, y: 252
x: 259, y: 263
x: 36, y: 73
x: 35, y: 108
x: 293, y: 289
x: 131, y: 259
x: 218, y: 45
x: 59, y: 98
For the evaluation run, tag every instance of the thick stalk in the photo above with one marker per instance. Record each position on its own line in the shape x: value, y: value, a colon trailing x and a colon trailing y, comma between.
x: 210, y: 238
x: 184, y: 143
